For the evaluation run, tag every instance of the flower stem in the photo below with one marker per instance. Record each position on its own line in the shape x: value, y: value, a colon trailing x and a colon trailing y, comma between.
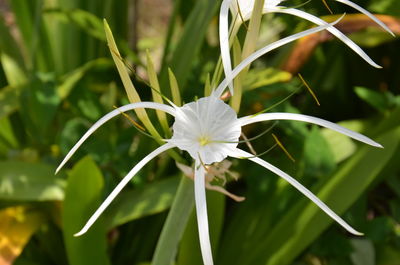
x: 175, y: 224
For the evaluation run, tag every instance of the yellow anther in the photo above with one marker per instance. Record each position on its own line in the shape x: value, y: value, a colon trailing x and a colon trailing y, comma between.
x: 309, y: 89
x: 283, y: 148
x: 327, y: 6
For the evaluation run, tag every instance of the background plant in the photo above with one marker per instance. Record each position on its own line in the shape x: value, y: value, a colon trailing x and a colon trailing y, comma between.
x: 57, y: 78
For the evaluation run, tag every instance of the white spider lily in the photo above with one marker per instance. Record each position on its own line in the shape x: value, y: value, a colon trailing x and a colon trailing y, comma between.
x: 209, y: 130
x: 242, y: 9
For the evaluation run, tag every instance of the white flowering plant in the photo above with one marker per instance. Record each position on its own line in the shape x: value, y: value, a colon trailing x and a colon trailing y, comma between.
x: 209, y: 129
x: 220, y: 155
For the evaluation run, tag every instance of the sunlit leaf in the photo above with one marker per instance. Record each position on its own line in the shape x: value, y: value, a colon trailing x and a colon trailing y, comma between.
x: 22, y: 181
x: 256, y: 78
x: 17, y: 224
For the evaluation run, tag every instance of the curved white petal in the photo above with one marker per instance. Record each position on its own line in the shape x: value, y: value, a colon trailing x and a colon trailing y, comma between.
x: 121, y: 185
x: 242, y: 154
x: 224, y: 40
x: 218, y: 91
x: 109, y: 116
x: 331, y: 29
x: 305, y: 118
x: 367, y: 13
x: 201, y: 212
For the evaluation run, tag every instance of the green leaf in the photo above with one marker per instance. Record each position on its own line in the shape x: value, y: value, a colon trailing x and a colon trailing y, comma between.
x: 175, y: 224
x: 189, y: 251
x: 371, y: 37
x: 35, y: 38
x: 69, y: 80
x: 7, y: 137
x: 82, y: 197
x: 190, y: 42
x: 22, y: 181
x: 11, y: 58
x: 128, y: 85
x: 9, y: 101
x: 389, y: 7
x: 387, y: 255
x: 256, y: 78
x: 173, y: 84
x: 15, y: 75
x: 377, y: 100
x: 342, y: 146
x: 305, y: 221
x: 318, y: 158
x: 364, y: 252
x: 88, y: 22
x: 157, y: 94
x: 39, y: 102
x: 153, y: 198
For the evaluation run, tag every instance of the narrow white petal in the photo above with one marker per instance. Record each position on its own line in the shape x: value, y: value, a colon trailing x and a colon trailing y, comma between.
x: 201, y: 212
x: 224, y: 40
x: 241, y: 154
x: 331, y: 29
x: 367, y: 13
x: 109, y: 116
x: 121, y: 185
x: 218, y: 91
x: 305, y: 118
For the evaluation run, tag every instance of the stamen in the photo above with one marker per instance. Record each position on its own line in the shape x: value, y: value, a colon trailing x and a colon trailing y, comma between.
x: 134, y: 123
x: 327, y: 6
x: 296, y: 6
x: 260, y: 154
x: 283, y: 148
x: 137, y: 125
x: 249, y: 144
x: 309, y: 89
x: 249, y: 139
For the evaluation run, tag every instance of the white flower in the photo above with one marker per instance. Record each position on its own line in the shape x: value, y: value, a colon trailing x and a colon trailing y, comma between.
x: 272, y: 6
x: 208, y: 129
x: 204, y: 129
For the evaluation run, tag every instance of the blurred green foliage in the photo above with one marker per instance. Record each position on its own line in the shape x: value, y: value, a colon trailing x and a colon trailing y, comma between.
x: 57, y: 77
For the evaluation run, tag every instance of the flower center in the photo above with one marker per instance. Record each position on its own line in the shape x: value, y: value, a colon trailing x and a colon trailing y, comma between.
x: 204, y: 140
x: 207, y: 129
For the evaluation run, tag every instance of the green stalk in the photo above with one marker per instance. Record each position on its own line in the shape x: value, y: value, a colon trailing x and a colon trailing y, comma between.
x: 175, y: 224
x: 249, y: 47
x: 237, y: 58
